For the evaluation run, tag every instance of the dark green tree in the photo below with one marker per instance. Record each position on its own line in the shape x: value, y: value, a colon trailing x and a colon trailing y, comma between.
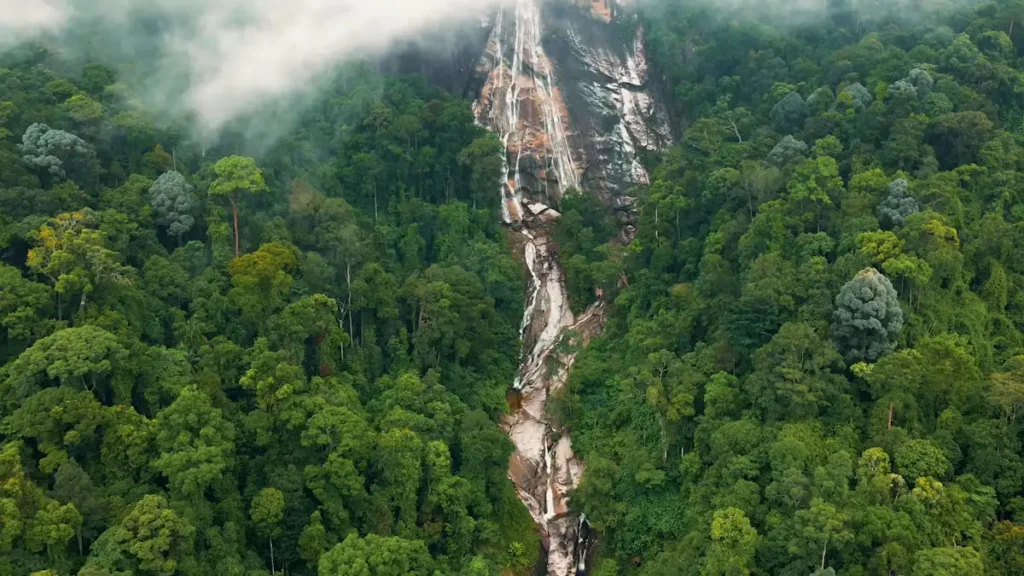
x: 173, y: 201
x: 868, y: 317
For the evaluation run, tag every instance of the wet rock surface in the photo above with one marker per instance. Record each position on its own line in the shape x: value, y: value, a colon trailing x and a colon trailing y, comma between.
x: 616, y: 113
x: 564, y: 85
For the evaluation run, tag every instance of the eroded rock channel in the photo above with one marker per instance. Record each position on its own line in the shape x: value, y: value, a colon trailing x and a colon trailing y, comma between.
x: 564, y: 85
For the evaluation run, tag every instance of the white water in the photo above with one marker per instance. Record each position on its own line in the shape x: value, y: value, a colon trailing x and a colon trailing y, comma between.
x: 521, y: 102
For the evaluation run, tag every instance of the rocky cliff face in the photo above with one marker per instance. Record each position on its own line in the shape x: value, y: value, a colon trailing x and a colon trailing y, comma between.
x: 566, y: 87
x: 564, y: 84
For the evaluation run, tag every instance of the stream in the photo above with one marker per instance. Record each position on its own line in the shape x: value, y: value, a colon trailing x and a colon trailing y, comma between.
x: 571, y: 111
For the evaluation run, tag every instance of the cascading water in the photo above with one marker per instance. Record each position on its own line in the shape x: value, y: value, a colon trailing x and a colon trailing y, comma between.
x: 574, y: 120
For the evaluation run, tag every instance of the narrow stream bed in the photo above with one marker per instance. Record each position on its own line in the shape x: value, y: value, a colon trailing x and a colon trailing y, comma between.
x: 544, y: 467
x: 603, y: 75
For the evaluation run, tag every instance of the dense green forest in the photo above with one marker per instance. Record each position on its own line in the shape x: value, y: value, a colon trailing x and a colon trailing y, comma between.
x: 816, y: 362
x: 237, y: 360
x: 320, y: 388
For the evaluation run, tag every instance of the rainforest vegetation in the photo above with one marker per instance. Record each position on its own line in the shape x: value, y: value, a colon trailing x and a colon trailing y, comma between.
x: 814, y: 363
x: 214, y: 364
x: 237, y: 360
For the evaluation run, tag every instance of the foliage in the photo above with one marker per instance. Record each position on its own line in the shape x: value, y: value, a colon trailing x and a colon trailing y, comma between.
x: 834, y: 291
x: 173, y: 201
x: 327, y: 394
x: 868, y: 317
x: 221, y: 358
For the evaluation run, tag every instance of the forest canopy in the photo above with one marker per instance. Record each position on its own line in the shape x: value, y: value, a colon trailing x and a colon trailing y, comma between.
x: 815, y: 364
x: 216, y: 363
x: 219, y: 360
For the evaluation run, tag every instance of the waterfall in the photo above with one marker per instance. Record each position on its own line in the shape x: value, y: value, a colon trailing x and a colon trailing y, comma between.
x: 524, y: 101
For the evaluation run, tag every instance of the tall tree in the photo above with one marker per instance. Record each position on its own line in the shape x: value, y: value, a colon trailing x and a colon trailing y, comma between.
x: 868, y: 317
x: 376, y: 555
x: 151, y: 539
x: 733, y: 544
x: 236, y: 174
x: 266, y: 512
x: 173, y: 200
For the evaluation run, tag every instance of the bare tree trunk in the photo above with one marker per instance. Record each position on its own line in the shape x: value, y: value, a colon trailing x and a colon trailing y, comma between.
x: 664, y: 445
x: 341, y: 326
x: 348, y: 282
x: 735, y: 130
x: 273, y: 570
x: 234, y: 213
x: 823, y: 552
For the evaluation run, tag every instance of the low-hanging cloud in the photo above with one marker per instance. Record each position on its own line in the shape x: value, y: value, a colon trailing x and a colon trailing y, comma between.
x: 803, y: 11
x: 234, y: 56
x: 17, y: 18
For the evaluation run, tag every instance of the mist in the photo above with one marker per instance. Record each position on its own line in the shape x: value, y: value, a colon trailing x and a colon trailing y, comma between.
x: 802, y: 12
x: 217, y: 60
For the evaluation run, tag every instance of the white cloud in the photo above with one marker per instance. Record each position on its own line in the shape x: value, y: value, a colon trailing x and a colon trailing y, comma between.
x: 18, y: 17
x: 241, y: 54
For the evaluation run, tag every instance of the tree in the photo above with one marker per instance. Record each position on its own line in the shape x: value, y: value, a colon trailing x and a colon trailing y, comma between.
x: 817, y: 527
x: 266, y: 512
x: 922, y: 81
x: 151, y: 539
x: 24, y: 306
x: 236, y: 174
x: 669, y: 387
x: 6, y: 111
x: 821, y: 100
x: 77, y: 357
x: 75, y: 255
x: 376, y: 556
x: 1007, y: 389
x: 868, y: 317
x: 57, y: 153
x: 60, y: 421
x: 959, y: 136
x: 789, y: 114
x: 921, y: 458
x: 312, y: 319
x: 483, y: 157
x: 733, y: 544
x: 958, y: 561
x: 313, y: 540
x: 173, y: 200
x: 196, y: 444
x: 893, y: 211
x: 261, y: 282
x: 83, y: 109
x: 786, y: 153
x: 859, y: 96
x: 828, y: 146
x: 793, y: 375
x: 397, y: 465
x: 814, y: 185
x: 74, y: 486
x: 51, y: 528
